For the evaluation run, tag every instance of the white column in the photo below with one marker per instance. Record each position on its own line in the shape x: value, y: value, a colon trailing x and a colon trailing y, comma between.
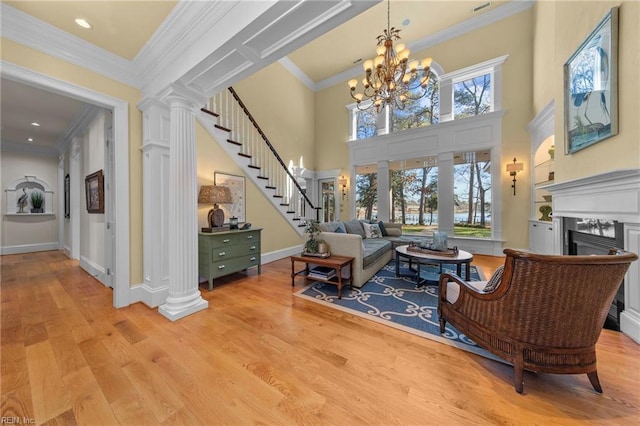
x: 184, y: 296
x: 445, y: 192
x: 155, y: 198
x: 77, y: 185
x: 60, y: 210
x: 384, y: 187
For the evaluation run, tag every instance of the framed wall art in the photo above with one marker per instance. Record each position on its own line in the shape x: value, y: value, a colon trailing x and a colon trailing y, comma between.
x: 67, y: 196
x: 94, y: 190
x: 591, y: 87
x: 236, y: 185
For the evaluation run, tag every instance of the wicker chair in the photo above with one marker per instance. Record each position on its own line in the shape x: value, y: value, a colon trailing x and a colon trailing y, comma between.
x: 545, y: 316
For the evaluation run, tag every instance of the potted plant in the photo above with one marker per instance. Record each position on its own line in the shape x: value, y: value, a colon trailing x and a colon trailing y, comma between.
x: 37, y: 201
x: 314, y: 245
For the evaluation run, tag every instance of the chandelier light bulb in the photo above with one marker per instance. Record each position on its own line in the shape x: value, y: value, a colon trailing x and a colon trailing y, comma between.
x: 413, y: 66
x: 400, y: 47
x: 353, y: 83
x: 368, y: 65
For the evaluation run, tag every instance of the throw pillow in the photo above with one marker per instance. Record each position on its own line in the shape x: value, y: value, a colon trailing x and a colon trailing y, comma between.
x: 372, y: 230
x: 382, y: 229
x: 355, y: 227
x: 495, y: 280
x: 339, y: 230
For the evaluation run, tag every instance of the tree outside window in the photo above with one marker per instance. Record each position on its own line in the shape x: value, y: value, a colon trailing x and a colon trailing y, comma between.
x: 366, y: 193
x: 472, y: 183
x: 472, y: 97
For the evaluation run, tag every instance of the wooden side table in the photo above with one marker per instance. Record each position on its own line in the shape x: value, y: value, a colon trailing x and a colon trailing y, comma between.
x: 334, y: 262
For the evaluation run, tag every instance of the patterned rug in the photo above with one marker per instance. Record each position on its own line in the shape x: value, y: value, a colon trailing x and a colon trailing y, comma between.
x: 397, y: 302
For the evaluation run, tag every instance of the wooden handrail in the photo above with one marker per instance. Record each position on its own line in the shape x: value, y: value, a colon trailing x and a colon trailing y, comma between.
x: 273, y: 150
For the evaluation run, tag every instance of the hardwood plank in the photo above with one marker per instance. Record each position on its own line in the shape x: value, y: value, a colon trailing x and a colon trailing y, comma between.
x: 260, y: 355
x: 49, y: 393
x: 88, y: 401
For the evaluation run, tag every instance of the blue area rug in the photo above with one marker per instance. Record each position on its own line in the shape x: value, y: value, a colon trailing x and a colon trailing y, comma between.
x: 397, y: 302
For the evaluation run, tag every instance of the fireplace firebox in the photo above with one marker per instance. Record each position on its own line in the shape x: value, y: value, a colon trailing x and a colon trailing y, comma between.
x: 594, y: 236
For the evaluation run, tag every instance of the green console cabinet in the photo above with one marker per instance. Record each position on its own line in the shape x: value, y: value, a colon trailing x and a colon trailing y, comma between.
x: 223, y: 253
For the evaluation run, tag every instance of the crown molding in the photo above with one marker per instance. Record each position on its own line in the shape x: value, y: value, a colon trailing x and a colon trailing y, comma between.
x: 297, y: 72
x: 490, y: 17
x: 80, y: 123
x: 35, y: 34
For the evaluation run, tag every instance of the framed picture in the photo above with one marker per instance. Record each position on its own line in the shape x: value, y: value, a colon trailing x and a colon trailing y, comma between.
x: 67, y: 199
x: 591, y: 87
x: 236, y: 185
x: 94, y: 189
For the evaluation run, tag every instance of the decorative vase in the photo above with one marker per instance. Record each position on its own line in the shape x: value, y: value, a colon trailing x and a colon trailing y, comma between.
x: 440, y: 241
x: 41, y: 210
x: 323, y: 248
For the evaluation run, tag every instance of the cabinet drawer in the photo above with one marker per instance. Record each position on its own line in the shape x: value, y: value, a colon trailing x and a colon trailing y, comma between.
x: 231, y: 252
x: 228, y: 266
x: 251, y: 236
x: 218, y: 241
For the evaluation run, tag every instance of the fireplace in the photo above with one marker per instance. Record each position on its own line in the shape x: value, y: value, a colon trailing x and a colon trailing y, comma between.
x: 593, y: 213
x: 588, y: 236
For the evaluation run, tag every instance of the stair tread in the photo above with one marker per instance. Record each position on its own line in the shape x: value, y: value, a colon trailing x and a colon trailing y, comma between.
x: 217, y: 126
x: 215, y: 114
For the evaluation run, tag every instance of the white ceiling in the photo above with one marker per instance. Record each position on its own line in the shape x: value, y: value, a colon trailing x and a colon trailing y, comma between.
x: 124, y: 27
x: 22, y: 105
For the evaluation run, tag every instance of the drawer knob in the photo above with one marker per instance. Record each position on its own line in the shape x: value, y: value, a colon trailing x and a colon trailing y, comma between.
x: 225, y: 241
x: 222, y: 253
x: 250, y: 237
x: 252, y: 258
x: 253, y: 247
x: 221, y: 267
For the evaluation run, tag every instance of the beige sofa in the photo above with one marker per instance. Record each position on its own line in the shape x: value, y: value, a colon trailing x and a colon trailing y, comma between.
x: 370, y: 254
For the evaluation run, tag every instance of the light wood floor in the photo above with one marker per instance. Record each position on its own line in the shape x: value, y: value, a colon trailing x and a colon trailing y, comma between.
x: 260, y: 355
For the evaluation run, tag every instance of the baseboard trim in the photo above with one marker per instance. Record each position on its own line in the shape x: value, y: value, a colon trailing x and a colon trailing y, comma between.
x: 93, y: 269
x: 280, y: 254
x: 29, y: 248
x: 630, y: 324
x: 152, y: 297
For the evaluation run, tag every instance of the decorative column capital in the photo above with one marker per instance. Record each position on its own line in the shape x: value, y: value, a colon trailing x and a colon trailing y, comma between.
x: 179, y: 95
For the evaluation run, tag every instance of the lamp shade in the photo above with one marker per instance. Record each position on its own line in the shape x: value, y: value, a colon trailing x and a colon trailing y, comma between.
x: 211, y: 194
x: 514, y: 167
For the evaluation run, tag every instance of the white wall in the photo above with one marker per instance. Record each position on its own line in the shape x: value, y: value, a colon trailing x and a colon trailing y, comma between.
x: 92, y: 226
x: 22, y: 234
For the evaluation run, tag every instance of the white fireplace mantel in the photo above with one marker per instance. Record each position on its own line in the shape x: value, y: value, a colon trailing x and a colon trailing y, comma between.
x: 613, y: 195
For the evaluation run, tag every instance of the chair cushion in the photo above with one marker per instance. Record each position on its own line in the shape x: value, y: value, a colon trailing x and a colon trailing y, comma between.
x: 453, y: 289
x: 372, y: 230
x: 495, y: 279
x: 355, y: 227
x: 374, y: 249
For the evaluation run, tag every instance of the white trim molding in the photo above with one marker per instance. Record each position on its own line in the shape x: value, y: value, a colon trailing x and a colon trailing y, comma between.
x: 121, y: 163
x: 613, y: 195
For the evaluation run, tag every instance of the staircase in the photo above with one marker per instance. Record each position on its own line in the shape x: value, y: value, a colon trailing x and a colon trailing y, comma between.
x: 240, y: 136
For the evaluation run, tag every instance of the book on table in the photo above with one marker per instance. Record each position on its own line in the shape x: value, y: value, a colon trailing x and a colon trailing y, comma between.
x: 322, y: 272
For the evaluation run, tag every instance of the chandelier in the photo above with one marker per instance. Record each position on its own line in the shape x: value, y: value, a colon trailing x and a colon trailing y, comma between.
x: 390, y: 79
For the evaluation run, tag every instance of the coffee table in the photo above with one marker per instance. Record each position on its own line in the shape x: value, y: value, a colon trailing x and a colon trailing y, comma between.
x: 417, y: 258
x: 334, y: 262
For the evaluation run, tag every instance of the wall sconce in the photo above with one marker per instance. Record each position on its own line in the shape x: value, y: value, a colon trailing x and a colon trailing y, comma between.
x: 513, y: 169
x: 343, y: 183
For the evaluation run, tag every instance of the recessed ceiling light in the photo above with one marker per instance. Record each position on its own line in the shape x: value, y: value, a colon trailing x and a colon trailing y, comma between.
x: 35, y: 124
x: 29, y: 139
x: 406, y: 22
x: 83, y: 23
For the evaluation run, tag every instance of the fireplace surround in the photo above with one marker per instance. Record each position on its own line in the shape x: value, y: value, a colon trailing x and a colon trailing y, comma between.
x: 608, y: 197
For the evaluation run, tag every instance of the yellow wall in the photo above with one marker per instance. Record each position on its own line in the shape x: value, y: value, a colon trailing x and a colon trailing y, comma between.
x: 23, y: 56
x: 283, y: 107
x: 560, y: 28
x: 332, y: 118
